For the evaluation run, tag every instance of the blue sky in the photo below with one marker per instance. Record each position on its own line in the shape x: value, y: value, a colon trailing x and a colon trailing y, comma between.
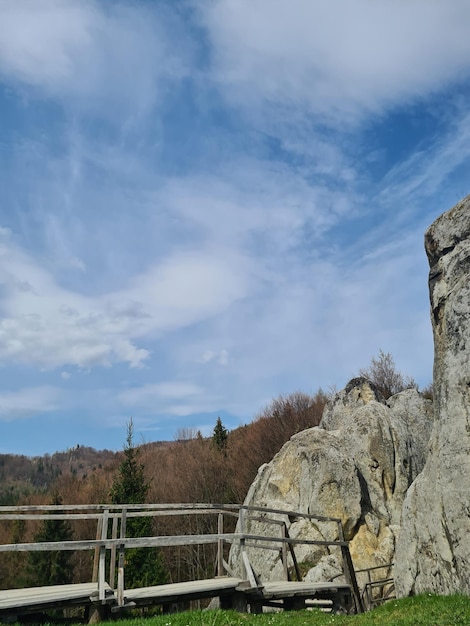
x: 206, y: 204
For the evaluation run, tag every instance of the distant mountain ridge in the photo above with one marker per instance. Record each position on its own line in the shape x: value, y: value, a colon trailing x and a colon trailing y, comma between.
x: 20, y: 474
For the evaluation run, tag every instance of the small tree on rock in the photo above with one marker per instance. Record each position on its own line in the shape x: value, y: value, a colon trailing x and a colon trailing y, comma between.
x: 383, y: 372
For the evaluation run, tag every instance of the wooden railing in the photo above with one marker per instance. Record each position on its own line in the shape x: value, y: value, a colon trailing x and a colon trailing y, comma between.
x: 111, y: 542
x: 379, y: 588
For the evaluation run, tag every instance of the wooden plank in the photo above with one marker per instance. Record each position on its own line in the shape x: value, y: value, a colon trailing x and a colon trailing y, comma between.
x: 112, y: 560
x: 248, y: 570
x: 40, y: 596
x: 99, y: 525
x: 120, y: 589
x: 134, y: 542
x: 166, y: 541
x: 262, y: 539
x: 102, y: 559
x: 289, y: 588
x: 185, y: 590
x: 165, y: 509
x: 293, y: 556
x: 220, y: 545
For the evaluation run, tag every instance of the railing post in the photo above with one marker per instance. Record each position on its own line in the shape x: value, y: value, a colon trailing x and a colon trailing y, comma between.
x: 102, y: 563
x: 99, y: 527
x: 112, y: 562
x: 120, y: 589
x: 241, y: 525
x: 284, y: 550
x: 220, y: 545
x: 349, y: 572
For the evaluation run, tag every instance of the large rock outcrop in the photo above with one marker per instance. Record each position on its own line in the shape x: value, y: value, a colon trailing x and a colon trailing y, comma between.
x: 356, y: 466
x: 434, y: 549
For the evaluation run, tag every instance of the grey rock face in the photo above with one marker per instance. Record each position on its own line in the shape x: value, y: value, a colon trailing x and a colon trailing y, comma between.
x: 434, y: 549
x: 356, y: 466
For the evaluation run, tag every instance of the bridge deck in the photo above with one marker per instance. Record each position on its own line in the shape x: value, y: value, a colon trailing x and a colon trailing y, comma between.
x: 295, y: 594
x: 234, y: 590
x: 287, y: 589
x: 191, y: 590
x: 41, y: 598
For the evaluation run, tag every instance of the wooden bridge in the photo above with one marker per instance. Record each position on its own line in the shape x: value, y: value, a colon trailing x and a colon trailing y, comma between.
x: 241, y: 589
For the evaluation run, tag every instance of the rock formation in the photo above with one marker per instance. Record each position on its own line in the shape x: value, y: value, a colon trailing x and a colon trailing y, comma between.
x: 356, y: 466
x: 434, y: 549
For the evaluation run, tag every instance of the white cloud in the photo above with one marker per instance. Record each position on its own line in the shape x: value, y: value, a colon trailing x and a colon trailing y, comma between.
x: 221, y: 357
x: 149, y: 394
x: 28, y: 402
x: 207, y: 356
x: 170, y: 398
x: 50, y: 326
x: 94, y: 56
x: 337, y: 58
x: 77, y: 263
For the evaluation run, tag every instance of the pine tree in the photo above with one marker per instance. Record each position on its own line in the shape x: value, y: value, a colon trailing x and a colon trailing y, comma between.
x: 220, y: 435
x: 54, y: 567
x: 130, y: 487
x: 144, y: 566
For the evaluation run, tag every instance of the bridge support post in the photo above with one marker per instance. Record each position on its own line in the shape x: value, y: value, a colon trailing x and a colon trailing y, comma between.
x: 98, y: 613
x: 236, y: 601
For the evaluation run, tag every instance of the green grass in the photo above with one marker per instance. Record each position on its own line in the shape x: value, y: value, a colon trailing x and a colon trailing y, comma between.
x: 425, y: 610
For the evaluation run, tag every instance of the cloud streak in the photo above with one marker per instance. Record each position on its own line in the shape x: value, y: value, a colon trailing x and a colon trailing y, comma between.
x: 28, y: 402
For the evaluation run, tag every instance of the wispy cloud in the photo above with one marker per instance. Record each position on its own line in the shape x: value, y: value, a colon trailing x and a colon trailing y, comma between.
x: 93, y: 56
x: 423, y: 173
x: 339, y: 60
x: 169, y: 398
x: 28, y: 402
x: 50, y: 326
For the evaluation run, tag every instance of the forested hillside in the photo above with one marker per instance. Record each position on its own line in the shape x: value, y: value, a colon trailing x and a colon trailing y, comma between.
x: 192, y: 468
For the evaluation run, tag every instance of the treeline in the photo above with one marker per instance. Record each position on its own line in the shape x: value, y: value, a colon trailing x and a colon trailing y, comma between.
x: 21, y: 476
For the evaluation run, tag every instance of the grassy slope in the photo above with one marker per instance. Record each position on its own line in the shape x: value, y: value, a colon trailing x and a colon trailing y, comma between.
x: 426, y: 610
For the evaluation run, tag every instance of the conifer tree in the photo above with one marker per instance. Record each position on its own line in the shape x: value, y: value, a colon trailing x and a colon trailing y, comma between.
x: 54, y: 567
x: 144, y: 566
x: 220, y: 435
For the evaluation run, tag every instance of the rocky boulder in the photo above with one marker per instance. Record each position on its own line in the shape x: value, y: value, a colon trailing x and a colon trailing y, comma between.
x: 356, y: 466
x: 434, y: 549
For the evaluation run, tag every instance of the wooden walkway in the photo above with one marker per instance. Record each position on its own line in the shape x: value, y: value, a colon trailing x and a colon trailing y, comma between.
x: 20, y: 601
x: 233, y: 593
x: 243, y: 592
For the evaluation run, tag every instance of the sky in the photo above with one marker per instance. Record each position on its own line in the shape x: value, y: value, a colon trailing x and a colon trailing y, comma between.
x: 205, y: 204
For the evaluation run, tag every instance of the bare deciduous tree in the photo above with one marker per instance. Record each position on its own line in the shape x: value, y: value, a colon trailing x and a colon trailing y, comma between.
x: 383, y: 372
